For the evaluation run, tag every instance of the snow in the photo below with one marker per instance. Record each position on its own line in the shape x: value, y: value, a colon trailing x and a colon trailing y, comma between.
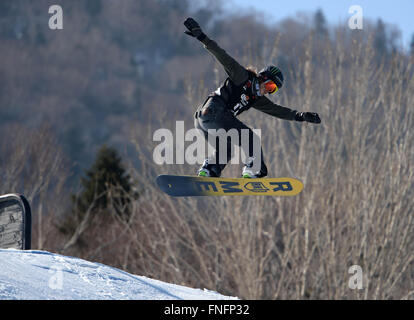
x: 31, y: 274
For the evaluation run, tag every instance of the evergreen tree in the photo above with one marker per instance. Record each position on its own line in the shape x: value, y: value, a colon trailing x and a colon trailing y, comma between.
x: 105, y: 181
x: 320, y: 23
x: 380, y: 38
x: 412, y: 45
x: 105, y: 186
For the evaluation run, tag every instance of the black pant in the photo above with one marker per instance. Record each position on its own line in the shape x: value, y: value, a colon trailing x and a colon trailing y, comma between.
x: 215, y: 115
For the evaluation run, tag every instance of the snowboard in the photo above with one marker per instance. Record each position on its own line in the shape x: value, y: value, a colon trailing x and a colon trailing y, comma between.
x: 190, y: 186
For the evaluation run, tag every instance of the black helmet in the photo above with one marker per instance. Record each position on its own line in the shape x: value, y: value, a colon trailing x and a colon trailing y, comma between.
x: 273, y: 73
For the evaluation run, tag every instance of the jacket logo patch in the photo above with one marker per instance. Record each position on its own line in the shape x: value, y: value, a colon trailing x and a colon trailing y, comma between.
x: 244, y: 101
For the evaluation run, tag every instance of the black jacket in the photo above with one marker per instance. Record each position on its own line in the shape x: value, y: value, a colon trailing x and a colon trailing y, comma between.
x: 237, y: 91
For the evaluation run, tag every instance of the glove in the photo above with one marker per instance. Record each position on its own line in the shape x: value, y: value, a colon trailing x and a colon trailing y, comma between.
x: 312, y: 117
x: 194, y: 29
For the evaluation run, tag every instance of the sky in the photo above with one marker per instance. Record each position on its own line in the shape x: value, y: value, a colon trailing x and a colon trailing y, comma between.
x: 396, y: 12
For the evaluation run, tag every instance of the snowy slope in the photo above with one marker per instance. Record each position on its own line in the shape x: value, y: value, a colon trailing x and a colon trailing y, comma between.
x: 44, y: 275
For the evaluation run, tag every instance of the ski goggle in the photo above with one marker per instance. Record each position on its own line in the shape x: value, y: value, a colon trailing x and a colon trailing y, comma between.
x: 271, y: 87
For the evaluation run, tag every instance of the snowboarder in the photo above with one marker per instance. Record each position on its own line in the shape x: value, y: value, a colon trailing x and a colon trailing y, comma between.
x: 242, y: 90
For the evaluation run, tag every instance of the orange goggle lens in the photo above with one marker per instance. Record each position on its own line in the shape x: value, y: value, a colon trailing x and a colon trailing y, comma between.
x: 271, y: 87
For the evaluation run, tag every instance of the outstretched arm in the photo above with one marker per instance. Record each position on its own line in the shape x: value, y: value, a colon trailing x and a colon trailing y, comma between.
x: 237, y: 73
x: 267, y: 106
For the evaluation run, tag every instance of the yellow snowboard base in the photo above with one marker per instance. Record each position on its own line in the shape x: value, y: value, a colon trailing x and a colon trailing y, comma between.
x: 189, y: 186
